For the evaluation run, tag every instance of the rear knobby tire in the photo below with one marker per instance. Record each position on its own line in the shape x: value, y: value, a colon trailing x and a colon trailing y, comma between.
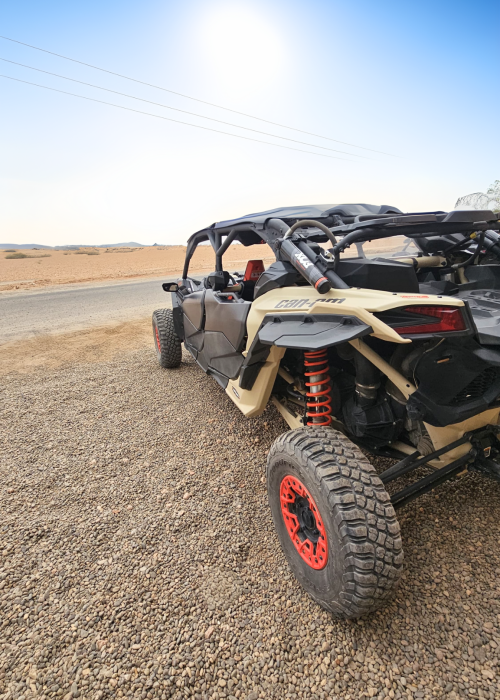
x: 364, y: 557
x: 167, y: 342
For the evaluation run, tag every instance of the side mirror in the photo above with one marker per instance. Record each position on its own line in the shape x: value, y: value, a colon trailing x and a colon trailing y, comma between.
x: 170, y: 287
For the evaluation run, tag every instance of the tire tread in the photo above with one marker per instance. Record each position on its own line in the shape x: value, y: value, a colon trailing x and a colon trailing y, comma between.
x: 171, y: 345
x: 360, y: 507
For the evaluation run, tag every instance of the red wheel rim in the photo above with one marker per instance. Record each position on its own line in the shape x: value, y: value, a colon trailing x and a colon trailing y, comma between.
x: 303, y: 522
x: 157, y: 339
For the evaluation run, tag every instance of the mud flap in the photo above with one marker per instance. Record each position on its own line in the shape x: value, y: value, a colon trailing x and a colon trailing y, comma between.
x: 309, y: 331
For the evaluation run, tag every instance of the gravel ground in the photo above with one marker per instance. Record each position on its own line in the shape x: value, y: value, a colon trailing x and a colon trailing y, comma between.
x: 139, y: 559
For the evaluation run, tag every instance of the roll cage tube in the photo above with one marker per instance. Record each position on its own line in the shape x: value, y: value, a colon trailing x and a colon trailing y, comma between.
x: 215, y: 240
x: 315, y: 224
x: 221, y: 249
x: 316, y: 269
x: 305, y: 263
x: 431, y: 230
x: 414, y: 226
x: 191, y: 247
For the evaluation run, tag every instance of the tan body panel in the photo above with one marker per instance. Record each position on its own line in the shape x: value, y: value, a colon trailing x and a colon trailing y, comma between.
x: 252, y: 403
x: 361, y: 303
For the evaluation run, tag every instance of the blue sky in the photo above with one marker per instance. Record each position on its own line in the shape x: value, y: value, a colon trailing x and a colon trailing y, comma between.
x: 417, y: 80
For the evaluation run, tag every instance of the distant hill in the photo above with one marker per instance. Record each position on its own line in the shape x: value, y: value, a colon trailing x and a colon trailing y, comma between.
x: 119, y: 245
x: 19, y: 246
x: 24, y: 246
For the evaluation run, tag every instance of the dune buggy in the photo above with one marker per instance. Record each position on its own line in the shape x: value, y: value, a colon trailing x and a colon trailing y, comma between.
x: 397, y: 355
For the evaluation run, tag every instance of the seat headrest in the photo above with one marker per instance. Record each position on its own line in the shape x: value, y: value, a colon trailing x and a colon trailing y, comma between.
x: 253, y: 270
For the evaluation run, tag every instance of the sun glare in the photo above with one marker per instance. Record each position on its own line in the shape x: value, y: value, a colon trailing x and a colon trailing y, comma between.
x: 241, y: 49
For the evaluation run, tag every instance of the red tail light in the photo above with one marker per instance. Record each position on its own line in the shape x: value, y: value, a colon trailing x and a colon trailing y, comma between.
x: 447, y: 319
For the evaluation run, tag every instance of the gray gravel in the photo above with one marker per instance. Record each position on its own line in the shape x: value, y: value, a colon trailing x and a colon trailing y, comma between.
x: 139, y: 559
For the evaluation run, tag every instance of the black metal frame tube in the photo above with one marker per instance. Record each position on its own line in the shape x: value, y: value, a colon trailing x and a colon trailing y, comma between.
x: 429, y: 482
x: 408, y: 464
x: 336, y: 281
x: 363, y: 234
x: 227, y: 242
x: 220, y: 248
x: 189, y: 255
x: 314, y: 224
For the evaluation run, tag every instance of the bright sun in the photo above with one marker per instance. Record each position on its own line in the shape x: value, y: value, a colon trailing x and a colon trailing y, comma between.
x: 241, y: 49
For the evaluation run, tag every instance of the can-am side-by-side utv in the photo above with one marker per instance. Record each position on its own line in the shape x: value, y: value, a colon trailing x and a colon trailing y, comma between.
x: 399, y: 356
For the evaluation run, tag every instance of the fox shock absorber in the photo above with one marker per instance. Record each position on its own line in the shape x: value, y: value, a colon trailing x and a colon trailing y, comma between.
x: 316, y: 269
x: 305, y: 266
x: 319, y: 390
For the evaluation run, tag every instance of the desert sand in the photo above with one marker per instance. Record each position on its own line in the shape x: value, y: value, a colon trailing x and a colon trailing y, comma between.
x: 63, y: 349
x: 63, y: 267
x: 53, y: 267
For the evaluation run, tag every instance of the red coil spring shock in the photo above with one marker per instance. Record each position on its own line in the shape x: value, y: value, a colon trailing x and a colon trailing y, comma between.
x: 319, y: 394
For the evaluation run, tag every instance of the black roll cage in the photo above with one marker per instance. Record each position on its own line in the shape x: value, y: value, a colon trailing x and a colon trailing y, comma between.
x: 219, y: 247
x: 363, y: 229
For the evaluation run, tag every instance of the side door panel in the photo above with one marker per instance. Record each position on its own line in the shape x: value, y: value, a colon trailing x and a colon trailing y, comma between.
x: 219, y: 355
x: 228, y: 317
x: 223, y: 336
x: 193, y: 308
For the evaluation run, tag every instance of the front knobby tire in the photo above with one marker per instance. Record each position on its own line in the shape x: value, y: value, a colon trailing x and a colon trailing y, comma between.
x: 334, y: 520
x: 167, y: 342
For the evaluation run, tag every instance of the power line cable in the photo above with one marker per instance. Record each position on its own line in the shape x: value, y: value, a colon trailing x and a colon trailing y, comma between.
x: 188, y: 97
x: 175, y: 109
x: 176, y: 121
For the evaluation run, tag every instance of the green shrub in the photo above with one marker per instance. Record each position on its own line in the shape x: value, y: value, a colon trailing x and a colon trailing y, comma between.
x: 15, y: 256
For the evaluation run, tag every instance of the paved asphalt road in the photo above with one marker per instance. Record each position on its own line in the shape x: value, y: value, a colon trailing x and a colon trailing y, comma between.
x: 72, y: 307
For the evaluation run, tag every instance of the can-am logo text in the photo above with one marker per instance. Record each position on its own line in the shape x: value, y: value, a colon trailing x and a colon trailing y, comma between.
x: 299, y: 303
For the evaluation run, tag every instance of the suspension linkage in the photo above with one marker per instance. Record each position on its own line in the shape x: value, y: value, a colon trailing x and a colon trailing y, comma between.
x: 429, y: 482
x: 410, y: 463
x: 432, y: 480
